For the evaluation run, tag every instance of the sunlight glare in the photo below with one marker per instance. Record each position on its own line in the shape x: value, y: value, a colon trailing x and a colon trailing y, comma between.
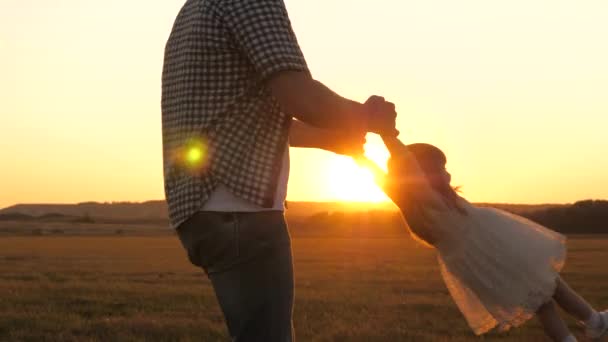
x: 376, y: 151
x: 351, y: 182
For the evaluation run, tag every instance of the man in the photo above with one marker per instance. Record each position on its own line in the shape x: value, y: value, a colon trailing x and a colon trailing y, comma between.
x: 236, y: 94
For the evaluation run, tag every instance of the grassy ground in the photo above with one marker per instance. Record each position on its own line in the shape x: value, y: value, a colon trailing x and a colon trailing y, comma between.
x: 62, y: 288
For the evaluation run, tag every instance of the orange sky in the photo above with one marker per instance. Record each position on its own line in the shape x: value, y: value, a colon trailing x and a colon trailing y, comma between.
x: 514, y: 92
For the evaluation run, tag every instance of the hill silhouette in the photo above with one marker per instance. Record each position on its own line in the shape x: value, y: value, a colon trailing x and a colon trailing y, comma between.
x: 157, y: 210
x: 312, y: 218
x: 590, y: 216
x: 108, y: 210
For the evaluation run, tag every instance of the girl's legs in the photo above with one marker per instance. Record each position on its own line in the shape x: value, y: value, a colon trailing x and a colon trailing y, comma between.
x: 571, y: 302
x: 596, y: 323
x: 554, y: 327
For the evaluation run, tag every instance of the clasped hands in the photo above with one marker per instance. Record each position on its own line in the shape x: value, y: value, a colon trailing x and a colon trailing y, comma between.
x: 376, y: 115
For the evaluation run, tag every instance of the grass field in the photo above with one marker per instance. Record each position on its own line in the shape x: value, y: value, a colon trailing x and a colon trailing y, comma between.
x: 126, y: 288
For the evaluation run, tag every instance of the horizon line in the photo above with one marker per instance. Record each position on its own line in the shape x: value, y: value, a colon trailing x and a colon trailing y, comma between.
x: 292, y: 201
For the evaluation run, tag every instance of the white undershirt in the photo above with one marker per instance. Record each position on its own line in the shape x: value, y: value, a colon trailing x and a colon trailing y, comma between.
x: 222, y: 199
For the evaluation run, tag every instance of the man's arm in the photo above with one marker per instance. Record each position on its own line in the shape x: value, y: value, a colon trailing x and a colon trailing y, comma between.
x: 315, y: 104
x: 341, y: 142
x: 263, y: 33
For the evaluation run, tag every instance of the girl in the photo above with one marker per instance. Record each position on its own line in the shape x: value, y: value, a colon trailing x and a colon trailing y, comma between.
x: 500, y: 269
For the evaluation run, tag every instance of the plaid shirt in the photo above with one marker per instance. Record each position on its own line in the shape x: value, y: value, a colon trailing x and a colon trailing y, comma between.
x: 220, y: 122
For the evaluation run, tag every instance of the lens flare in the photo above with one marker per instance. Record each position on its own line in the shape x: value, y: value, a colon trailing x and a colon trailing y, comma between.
x: 194, y: 153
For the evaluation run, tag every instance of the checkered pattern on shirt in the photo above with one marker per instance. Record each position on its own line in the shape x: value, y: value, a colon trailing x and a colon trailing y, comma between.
x: 217, y: 59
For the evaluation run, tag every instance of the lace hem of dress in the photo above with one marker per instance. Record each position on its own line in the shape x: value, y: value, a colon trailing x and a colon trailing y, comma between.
x: 526, y: 311
x: 528, y: 308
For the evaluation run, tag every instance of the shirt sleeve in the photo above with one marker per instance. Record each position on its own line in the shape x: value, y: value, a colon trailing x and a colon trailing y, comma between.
x: 263, y: 32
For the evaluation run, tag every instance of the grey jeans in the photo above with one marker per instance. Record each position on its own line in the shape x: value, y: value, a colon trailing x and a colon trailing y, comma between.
x: 247, y: 257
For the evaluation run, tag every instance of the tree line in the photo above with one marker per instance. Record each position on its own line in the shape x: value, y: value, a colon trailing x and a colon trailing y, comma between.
x: 583, y: 217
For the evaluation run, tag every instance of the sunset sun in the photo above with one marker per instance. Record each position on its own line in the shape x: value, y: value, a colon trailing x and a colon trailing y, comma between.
x: 351, y: 182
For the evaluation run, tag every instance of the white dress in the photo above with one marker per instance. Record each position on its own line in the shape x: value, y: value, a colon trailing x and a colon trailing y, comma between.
x: 498, y: 267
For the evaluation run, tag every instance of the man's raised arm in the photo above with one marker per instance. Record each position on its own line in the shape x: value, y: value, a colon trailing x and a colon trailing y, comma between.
x: 263, y: 32
x: 315, y: 104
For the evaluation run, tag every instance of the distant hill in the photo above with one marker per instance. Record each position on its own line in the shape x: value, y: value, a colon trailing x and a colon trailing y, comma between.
x: 115, y: 210
x: 305, y: 218
x: 157, y: 210
x: 590, y: 216
x: 581, y: 217
x: 522, y: 209
x: 16, y: 216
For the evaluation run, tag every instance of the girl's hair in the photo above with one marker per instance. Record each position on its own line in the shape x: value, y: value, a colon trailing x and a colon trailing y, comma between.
x: 432, y: 162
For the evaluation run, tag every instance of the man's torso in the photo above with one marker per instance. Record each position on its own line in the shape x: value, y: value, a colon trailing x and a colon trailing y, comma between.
x: 214, y: 98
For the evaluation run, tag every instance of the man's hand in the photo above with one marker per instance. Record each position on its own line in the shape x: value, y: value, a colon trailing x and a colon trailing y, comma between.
x: 313, y: 103
x: 381, y: 116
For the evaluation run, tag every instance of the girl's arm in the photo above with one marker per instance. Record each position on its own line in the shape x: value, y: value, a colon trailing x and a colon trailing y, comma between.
x: 408, y: 187
x: 406, y: 183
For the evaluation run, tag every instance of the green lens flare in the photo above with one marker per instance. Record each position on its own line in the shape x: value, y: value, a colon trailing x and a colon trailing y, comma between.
x: 194, y: 155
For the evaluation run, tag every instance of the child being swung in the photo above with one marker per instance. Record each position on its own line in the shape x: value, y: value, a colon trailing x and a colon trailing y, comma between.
x: 501, y: 269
